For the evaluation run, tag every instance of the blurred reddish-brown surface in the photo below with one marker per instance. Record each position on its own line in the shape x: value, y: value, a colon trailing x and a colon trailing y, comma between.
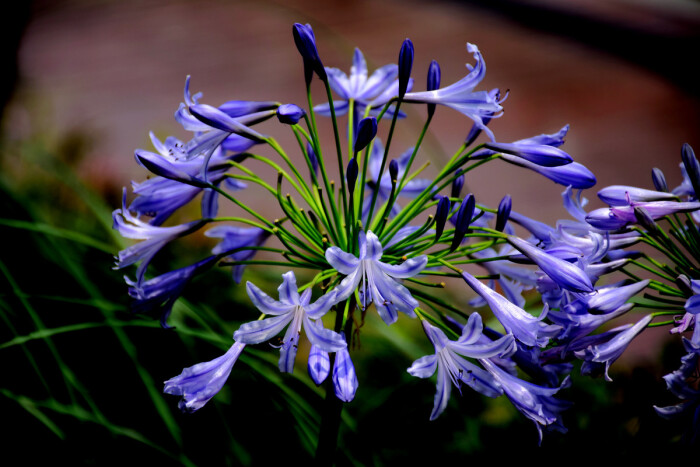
x: 116, y: 70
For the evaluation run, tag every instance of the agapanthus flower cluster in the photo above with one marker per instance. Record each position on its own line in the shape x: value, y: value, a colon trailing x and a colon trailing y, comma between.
x: 381, y: 241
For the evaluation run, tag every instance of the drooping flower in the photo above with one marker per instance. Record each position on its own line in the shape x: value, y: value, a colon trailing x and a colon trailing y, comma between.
x: 461, y: 96
x: 375, y: 278
x: 199, y: 383
x: 535, y: 402
x: 162, y: 291
x: 293, y: 310
x: 525, y: 327
x: 606, y: 353
x: 155, y: 238
x: 453, y: 369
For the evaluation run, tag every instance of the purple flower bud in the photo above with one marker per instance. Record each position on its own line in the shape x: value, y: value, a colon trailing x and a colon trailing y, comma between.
x: 344, y: 378
x: 621, y: 195
x: 394, y: 170
x: 433, y: 83
x: 540, y: 154
x: 692, y: 168
x: 457, y: 185
x: 366, y: 131
x: 464, y: 218
x: 443, y: 209
x: 503, y: 213
x: 405, y: 66
x: 311, y: 154
x: 657, y: 176
x: 351, y: 175
x: 240, y: 108
x: 290, y: 114
x: 319, y: 364
x: 306, y: 44
x: 219, y: 120
x: 566, y: 275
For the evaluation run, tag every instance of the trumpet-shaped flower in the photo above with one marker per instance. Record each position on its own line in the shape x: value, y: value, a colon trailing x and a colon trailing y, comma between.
x: 155, y: 238
x: 293, y: 310
x: 461, y: 96
x: 377, y: 278
x: 565, y: 274
x: 199, y: 383
x: 453, y: 369
x: 607, y: 352
x: 525, y: 327
x: 162, y: 291
x: 535, y: 402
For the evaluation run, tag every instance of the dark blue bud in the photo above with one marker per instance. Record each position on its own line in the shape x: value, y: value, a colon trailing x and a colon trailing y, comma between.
x: 351, y: 174
x: 540, y: 154
x: 691, y: 167
x: 405, y: 66
x: 443, y: 209
x: 311, y: 154
x: 503, y: 213
x: 684, y: 285
x: 394, y: 170
x: 464, y: 218
x: 306, y: 44
x: 645, y: 220
x: 290, y: 114
x: 366, y: 131
x: 239, y: 108
x: 657, y: 176
x: 433, y: 83
x: 457, y: 185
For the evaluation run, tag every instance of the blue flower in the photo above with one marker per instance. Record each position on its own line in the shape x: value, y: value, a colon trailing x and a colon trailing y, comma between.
x: 375, y: 90
x: 344, y: 377
x: 461, y: 95
x: 453, y: 369
x: 565, y: 274
x: 292, y: 310
x: 164, y: 290
x: 525, y: 327
x: 199, y: 383
x: 620, y: 195
x: 535, y: 402
x: 378, y: 285
x: 617, y: 217
x: 607, y: 352
x: 155, y: 238
x: 683, y: 383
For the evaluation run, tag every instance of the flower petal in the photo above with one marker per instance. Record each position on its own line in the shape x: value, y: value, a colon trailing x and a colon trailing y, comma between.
x: 341, y: 261
x: 256, y: 332
x: 265, y: 303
